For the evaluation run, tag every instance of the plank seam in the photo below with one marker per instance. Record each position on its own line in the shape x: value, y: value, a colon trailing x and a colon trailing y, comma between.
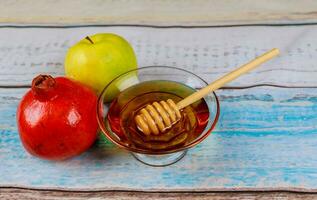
x: 154, y: 26
x: 222, y: 88
x: 215, y: 190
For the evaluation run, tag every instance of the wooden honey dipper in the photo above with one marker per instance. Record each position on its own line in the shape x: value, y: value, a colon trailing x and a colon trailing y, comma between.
x: 157, y: 117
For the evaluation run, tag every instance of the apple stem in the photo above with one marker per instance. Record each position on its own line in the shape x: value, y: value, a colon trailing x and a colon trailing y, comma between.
x: 88, y: 38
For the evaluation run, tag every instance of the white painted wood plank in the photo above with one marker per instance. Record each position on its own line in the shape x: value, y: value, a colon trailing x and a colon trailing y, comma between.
x: 208, y: 52
x: 168, y: 12
x: 265, y: 140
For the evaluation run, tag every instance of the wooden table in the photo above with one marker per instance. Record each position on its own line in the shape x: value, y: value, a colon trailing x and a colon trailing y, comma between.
x: 265, y: 143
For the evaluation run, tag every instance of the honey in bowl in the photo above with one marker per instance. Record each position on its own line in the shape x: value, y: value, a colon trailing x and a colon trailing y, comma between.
x: 129, y: 102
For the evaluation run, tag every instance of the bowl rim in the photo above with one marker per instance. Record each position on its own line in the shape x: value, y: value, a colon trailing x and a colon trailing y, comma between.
x: 145, y: 151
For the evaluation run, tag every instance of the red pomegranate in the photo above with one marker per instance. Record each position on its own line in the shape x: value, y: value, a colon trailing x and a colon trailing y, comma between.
x: 57, y: 118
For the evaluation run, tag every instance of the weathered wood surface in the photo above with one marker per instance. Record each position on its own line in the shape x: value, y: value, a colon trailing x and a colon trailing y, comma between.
x: 13, y: 194
x: 265, y: 139
x: 168, y: 12
x: 208, y: 52
x: 271, y: 146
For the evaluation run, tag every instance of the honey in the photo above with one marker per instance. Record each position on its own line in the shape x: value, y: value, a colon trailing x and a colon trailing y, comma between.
x: 128, y: 103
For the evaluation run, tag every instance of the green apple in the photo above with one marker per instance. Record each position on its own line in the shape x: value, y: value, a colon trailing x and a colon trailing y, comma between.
x: 98, y: 59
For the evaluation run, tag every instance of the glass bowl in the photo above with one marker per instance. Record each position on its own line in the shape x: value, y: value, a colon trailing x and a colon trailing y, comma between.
x: 160, y: 73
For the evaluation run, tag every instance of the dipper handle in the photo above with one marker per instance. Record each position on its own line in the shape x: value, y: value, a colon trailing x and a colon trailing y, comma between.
x: 227, y: 78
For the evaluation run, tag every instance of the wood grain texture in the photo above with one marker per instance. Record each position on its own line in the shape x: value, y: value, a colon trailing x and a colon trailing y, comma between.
x: 265, y: 140
x: 13, y: 194
x: 208, y: 52
x: 168, y: 12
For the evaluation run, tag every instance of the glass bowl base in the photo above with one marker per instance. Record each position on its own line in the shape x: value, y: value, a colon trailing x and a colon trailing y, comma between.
x: 159, y: 160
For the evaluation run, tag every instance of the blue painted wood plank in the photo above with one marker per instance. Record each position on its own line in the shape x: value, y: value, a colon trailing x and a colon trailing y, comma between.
x: 266, y: 138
